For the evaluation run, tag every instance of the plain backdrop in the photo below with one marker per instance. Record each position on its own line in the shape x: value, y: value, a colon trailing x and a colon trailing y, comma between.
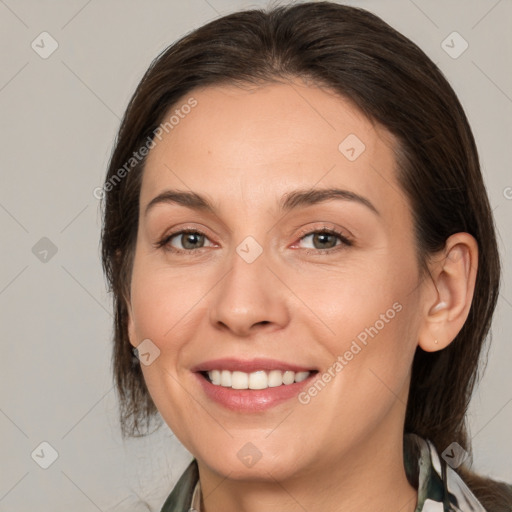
x: 59, y: 117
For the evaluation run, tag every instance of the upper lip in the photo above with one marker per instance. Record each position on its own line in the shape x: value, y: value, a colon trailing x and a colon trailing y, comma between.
x: 249, y: 365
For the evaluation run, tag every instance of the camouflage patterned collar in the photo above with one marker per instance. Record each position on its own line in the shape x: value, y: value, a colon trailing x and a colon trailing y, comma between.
x: 440, y: 489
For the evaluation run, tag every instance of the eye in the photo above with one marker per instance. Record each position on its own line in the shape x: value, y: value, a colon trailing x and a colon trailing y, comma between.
x: 186, y: 240
x: 325, y: 240
x: 191, y: 240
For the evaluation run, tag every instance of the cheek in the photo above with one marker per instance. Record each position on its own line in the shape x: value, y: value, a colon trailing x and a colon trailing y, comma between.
x: 350, y: 302
x: 163, y: 301
x: 165, y: 307
x: 367, y: 372
x: 373, y: 319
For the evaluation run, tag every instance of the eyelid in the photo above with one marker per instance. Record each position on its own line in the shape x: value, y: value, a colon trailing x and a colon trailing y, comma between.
x: 346, y: 239
x: 164, y: 241
x: 325, y: 226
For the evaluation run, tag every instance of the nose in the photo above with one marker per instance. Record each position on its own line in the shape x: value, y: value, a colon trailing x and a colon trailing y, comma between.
x: 249, y: 298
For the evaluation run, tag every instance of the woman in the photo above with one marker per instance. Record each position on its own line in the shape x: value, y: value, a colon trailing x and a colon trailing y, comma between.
x: 303, y: 258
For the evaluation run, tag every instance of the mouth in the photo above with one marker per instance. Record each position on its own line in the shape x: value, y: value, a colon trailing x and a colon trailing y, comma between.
x: 257, y: 380
x: 251, y: 385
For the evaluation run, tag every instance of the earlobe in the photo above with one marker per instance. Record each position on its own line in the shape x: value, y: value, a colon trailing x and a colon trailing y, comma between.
x: 450, y: 292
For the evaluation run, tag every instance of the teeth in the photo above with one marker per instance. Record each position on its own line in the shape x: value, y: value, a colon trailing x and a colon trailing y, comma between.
x: 288, y: 377
x: 275, y: 378
x: 225, y: 378
x: 215, y: 377
x: 255, y: 380
x: 239, y: 380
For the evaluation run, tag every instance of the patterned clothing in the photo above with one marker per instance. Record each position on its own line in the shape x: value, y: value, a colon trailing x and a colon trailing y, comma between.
x: 440, y: 489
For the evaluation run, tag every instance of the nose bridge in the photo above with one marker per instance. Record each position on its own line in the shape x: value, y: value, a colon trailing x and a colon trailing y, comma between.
x: 246, y: 296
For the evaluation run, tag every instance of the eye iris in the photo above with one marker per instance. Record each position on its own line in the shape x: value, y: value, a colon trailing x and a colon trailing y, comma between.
x: 190, y: 239
x: 323, y: 239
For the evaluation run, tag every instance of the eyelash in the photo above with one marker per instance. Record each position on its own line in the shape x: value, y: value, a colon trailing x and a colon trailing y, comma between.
x: 345, y: 241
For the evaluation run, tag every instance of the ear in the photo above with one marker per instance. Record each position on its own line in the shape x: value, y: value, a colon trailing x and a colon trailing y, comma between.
x: 131, y: 324
x: 448, y: 296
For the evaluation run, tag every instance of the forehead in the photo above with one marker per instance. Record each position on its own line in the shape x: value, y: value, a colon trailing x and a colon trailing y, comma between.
x: 257, y: 143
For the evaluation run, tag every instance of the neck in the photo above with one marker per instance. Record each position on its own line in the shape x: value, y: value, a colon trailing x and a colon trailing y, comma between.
x: 371, y: 476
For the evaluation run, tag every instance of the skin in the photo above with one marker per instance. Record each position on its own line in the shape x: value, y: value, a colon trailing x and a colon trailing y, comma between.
x: 245, y: 149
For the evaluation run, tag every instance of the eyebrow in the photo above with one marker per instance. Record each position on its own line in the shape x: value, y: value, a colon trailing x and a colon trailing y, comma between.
x: 290, y: 201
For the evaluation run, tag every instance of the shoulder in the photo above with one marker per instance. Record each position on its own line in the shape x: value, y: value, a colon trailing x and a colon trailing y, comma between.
x: 495, y: 496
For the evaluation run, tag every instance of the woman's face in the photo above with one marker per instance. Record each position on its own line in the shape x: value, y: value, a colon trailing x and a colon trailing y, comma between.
x: 275, y: 276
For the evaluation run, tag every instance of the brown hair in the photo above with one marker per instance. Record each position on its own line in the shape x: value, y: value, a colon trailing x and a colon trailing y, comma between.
x: 357, y: 55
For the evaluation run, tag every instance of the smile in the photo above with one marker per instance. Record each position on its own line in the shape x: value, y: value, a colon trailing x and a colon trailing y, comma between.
x: 260, y: 379
x: 252, y: 385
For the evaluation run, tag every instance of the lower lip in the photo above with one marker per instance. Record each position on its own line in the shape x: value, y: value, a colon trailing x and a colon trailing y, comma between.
x: 251, y: 400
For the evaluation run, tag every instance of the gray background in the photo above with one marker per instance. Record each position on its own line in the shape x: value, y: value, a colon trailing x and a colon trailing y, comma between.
x: 59, y: 119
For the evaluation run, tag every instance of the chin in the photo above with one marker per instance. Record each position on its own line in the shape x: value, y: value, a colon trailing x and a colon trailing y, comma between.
x: 251, y: 463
